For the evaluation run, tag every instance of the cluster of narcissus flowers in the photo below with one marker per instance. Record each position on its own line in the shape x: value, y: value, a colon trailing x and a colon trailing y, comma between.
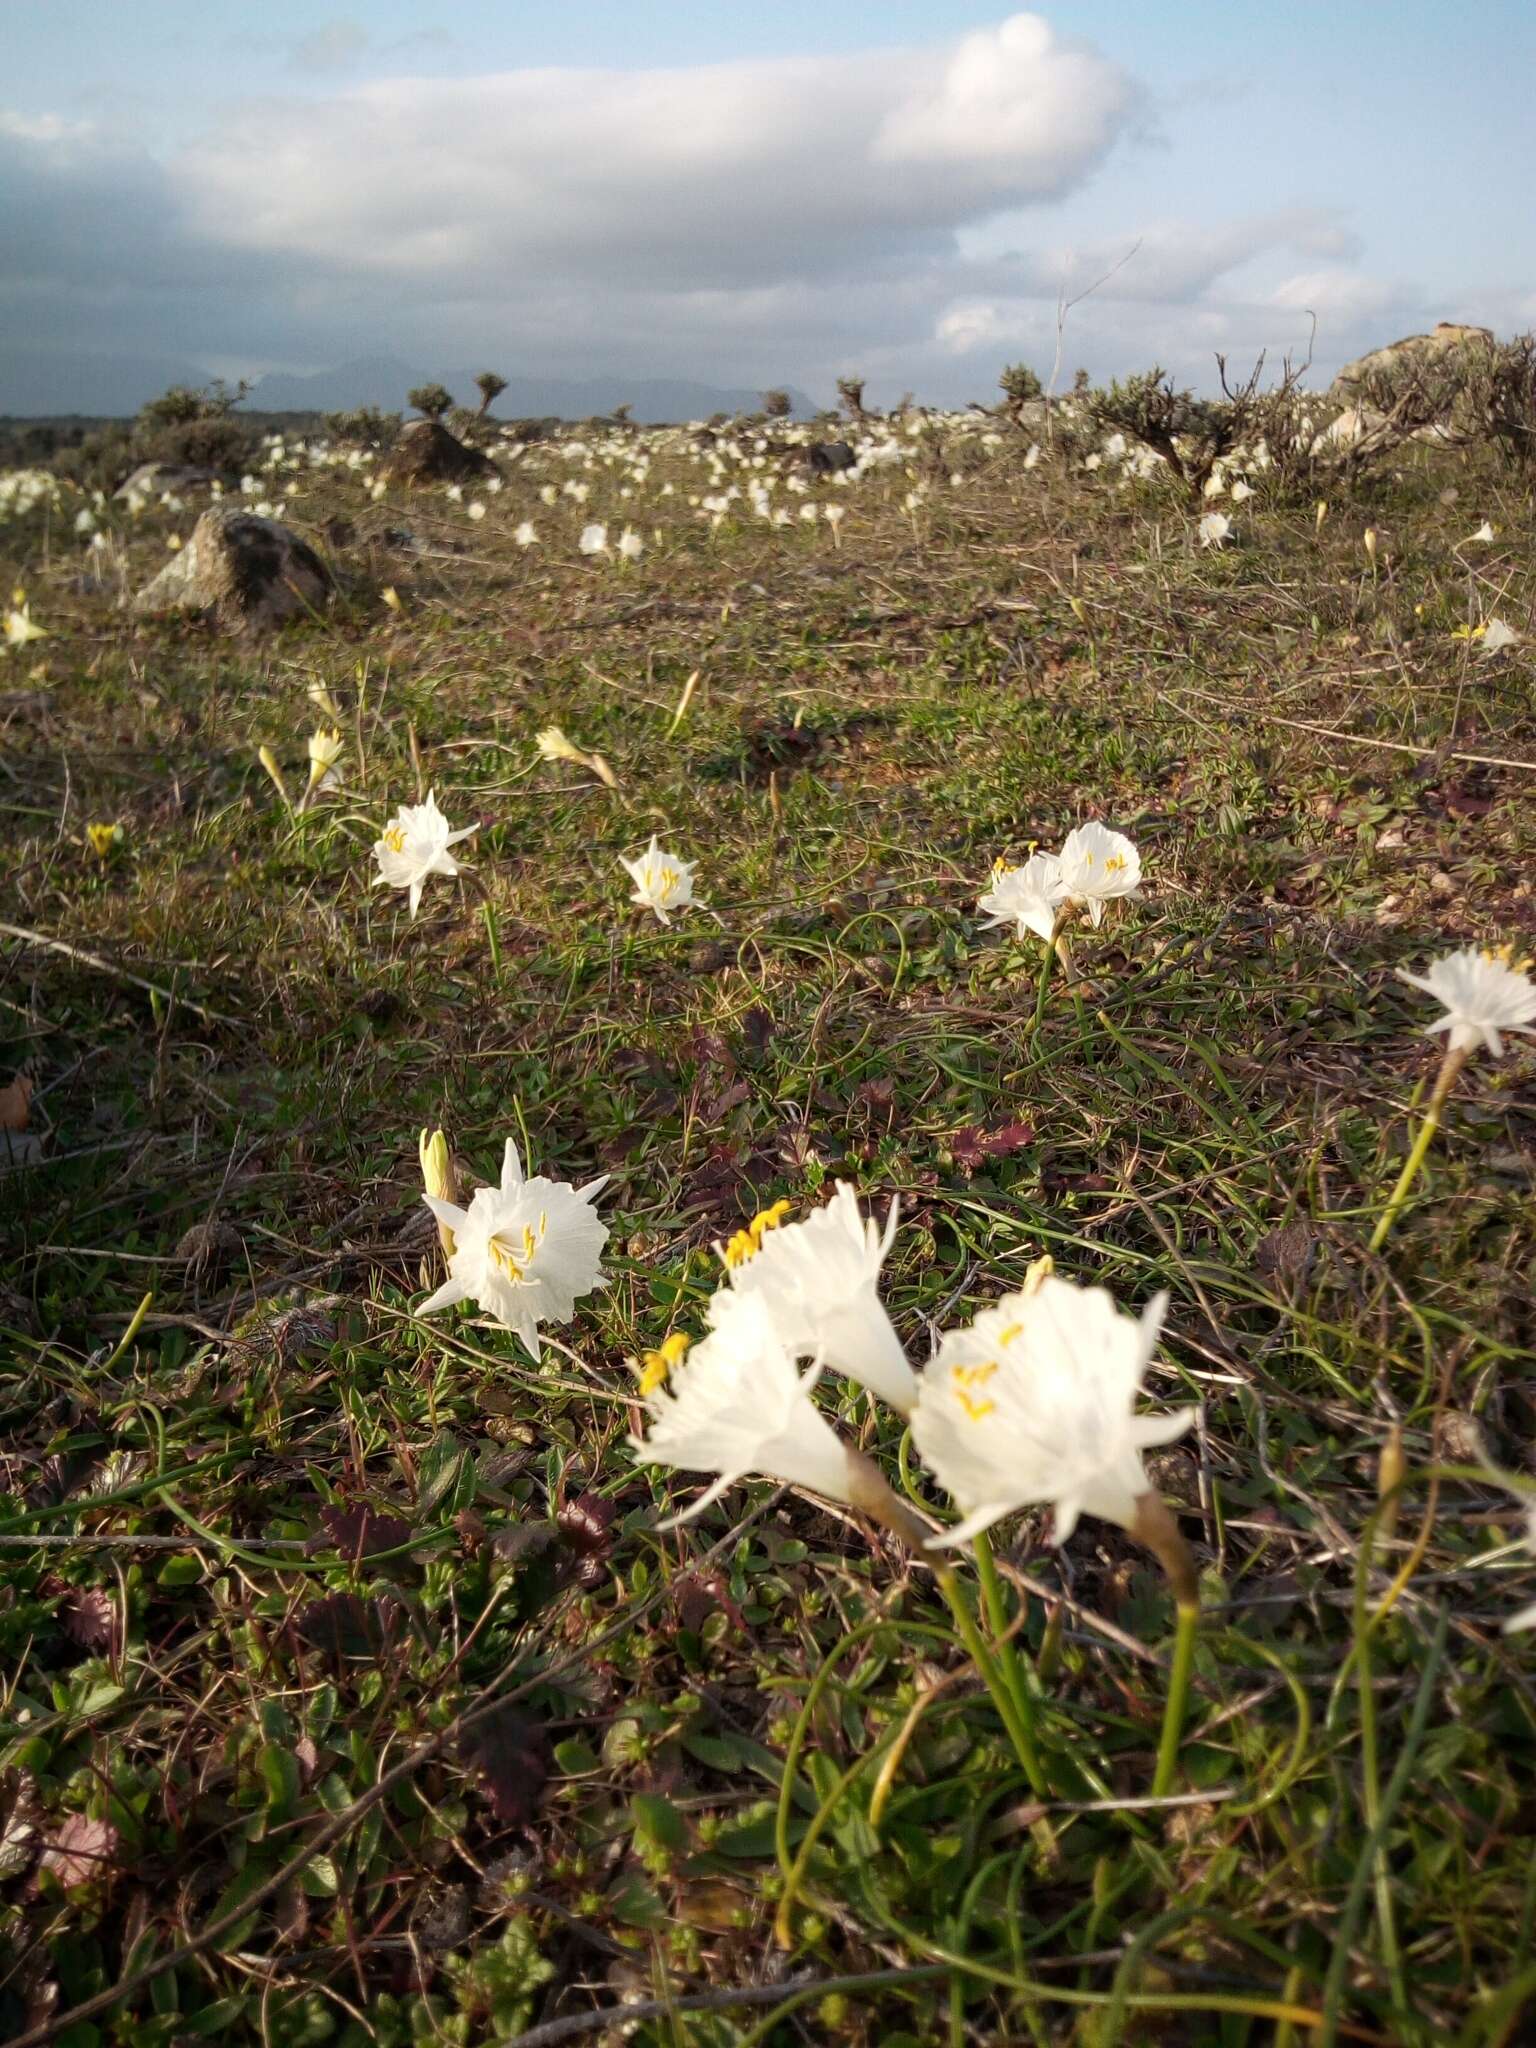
x: 1095, y: 867
x: 1032, y: 1403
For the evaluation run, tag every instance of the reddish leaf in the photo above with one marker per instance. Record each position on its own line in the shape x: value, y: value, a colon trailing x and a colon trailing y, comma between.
x: 344, y: 1626
x: 585, y: 1527
x: 359, y: 1532
x: 973, y: 1146
x: 510, y: 1756
x: 89, y: 1618
x: 698, y: 1595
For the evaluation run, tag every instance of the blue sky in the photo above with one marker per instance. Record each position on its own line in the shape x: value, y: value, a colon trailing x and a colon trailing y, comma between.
x: 168, y: 162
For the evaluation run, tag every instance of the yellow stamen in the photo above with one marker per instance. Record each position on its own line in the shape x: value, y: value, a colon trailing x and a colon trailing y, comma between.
x: 656, y: 1365
x: 394, y: 838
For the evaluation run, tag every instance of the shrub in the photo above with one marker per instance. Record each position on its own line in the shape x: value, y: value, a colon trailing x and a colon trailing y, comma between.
x: 430, y: 400
x: 196, y: 428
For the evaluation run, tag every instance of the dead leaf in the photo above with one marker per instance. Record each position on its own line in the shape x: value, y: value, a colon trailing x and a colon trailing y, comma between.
x: 586, y: 1528
x: 16, y: 1103
x: 80, y: 1853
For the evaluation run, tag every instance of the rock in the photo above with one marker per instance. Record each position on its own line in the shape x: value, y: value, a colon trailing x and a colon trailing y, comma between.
x: 250, y: 573
x: 1421, y: 351
x: 1351, y: 426
x: 153, y: 479
x: 426, y: 453
x: 822, y: 458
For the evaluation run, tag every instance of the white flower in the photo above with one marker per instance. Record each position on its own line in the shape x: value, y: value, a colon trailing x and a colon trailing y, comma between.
x: 19, y: 627
x: 456, y: 493
x: 548, y: 494
x: 325, y: 750
x: 525, y: 1252
x: 1525, y: 1617
x: 1240, y: 491
x: 1484, y: 533
x: 526, y: 534
x: 1027, y: 896
x: 1215, y: 530
x: 1496, y: 636
x: 476, y: 510
x: 663, y: 883
x: 1035, y: 1402
x: 1098, y: 865
x: 820, y: 1279
x: 735, y: 1404
x: 1484, y: 992
x: 414, y: 845
x: 631, y: 546
x: 594, y: 539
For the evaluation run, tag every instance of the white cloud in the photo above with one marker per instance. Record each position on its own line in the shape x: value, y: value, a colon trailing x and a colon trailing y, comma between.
x: 745, y: 172
x: 752, y: 222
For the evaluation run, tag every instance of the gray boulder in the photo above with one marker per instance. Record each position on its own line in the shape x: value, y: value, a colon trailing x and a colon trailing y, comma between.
x: 823, y: 458
x: 250, y: 574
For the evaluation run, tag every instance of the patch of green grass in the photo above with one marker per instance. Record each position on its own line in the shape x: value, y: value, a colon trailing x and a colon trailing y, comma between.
x: 347, y: 1677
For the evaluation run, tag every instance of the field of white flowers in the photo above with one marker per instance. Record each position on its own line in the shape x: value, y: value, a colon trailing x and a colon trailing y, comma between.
x: 769, y: 1245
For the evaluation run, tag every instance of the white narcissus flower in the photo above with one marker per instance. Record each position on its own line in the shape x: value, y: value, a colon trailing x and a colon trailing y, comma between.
x: 1215, y: 530
x: 1525, y: 1617
x: 526, y: 534
x: 820, y: 1281
x: 1496, y: 636
x: 663, y: 882
x: 736, y: 1404
x: 325, y: 750
x: 1035, y: 1402
x: 1241, y: 490
x: 1485, y: 991
x: 594, y: 539
x: 524, y: 1252
x: 1098, y: 865
x: 20, y: 628
x: 1029, y: 896
x: 631, y: 546
x: 475, y: 510
x: 1484, y: 533
x: 414, y: 845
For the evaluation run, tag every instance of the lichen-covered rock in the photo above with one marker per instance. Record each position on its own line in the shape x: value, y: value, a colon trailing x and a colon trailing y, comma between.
x: 1419, y: 351
x: 426, y: 453
x: 247, y: 572
x: 154, y: 479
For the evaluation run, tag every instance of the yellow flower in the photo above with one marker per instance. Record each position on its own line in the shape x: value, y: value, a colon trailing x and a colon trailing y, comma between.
x: 104, y: 839
x: 19, y: 627
x: 391, y: 597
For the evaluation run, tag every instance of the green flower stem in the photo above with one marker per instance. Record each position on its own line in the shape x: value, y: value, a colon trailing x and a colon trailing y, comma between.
x: 1020, y: 1733
x: 1178, y: 1699
x: 1455, y: 1059
x: 1043, y: 985
x: 868, y: 1491
x: 1155, y: 1527
x: 1010, y: 1663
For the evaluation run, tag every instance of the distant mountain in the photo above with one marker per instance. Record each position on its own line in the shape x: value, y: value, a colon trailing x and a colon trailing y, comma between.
x: 35, y: 383
x: 382, y: 381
